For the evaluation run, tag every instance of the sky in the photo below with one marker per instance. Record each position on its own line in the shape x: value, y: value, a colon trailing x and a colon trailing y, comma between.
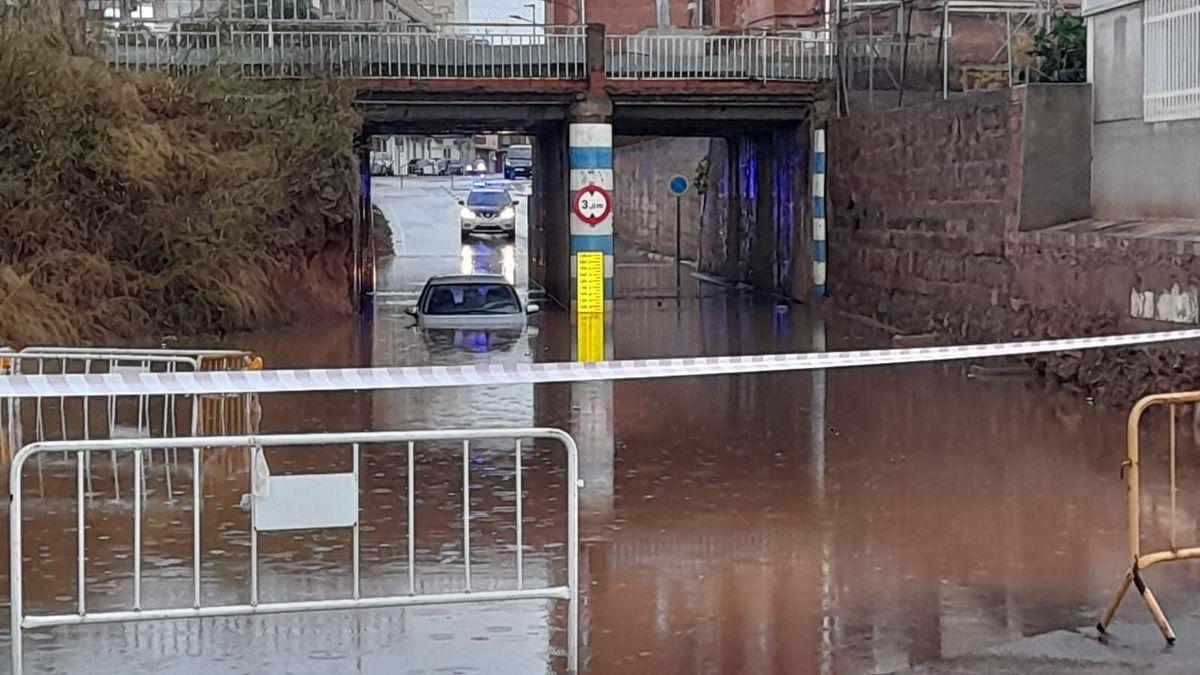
x: 499, y: 11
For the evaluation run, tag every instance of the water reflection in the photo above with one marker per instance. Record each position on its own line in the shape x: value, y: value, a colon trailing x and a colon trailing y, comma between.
x: 489, y: 258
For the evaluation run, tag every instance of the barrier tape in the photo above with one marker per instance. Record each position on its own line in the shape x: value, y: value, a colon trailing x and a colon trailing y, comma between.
x: 364, y: 379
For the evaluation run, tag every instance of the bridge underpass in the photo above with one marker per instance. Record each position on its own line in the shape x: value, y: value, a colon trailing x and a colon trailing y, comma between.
x: 761, y: 180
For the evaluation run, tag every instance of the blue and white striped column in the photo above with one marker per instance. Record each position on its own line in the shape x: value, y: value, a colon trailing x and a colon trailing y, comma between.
x: 820, y: 250
x: 592, y: 164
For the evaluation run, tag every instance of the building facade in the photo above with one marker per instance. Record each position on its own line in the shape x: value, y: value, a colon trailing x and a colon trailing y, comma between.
x: 634, y: 16
x: 1144, y: 65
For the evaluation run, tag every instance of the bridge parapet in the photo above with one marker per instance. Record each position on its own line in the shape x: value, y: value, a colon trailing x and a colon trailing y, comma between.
x: 418, y: 51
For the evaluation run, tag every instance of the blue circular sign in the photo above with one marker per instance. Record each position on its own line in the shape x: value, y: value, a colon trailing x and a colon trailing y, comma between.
x: 678, y: 185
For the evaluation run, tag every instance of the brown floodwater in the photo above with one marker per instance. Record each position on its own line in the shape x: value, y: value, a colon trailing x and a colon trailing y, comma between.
x: 850, y: 521
x: 730, y: 524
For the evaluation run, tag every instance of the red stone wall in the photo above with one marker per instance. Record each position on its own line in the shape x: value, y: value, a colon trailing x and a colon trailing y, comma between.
x: 923, y: 236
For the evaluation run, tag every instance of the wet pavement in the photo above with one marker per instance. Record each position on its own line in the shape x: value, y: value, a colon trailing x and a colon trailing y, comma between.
x: 857, y: 521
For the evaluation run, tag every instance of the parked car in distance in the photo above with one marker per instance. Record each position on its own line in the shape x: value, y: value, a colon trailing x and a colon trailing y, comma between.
x: 518, y: 162
x: 381, y: 163
x: 454, y: 167
x: 421, y: 167
x: 470, y: 302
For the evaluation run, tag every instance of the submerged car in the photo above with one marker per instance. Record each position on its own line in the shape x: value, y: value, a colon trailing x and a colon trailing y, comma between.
x: 470, y: 302
x: 488, y: 211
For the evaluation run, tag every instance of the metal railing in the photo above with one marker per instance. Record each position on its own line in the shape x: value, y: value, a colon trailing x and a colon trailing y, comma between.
x: 1130, y: 468
x: 764, y: 57
x: 392, y: 50
x: 86, y: 418
x: 1172, y: 51
x: 277, y: 503
x: 308, y: 11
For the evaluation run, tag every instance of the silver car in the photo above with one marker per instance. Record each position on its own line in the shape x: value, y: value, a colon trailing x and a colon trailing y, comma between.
x: 488, y: 212
x: 470, y: 302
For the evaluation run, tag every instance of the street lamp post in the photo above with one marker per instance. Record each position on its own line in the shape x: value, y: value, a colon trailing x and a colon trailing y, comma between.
x: 532, y: 10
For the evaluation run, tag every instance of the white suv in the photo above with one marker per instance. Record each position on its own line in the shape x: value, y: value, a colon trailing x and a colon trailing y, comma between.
x: 488, y: 212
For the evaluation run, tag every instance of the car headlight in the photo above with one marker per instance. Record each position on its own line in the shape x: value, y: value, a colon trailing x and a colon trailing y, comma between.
x: 507, y: 212
x: 466, y: 213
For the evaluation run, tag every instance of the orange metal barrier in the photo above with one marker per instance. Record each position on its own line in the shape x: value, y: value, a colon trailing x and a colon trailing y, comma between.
x: 229, y: 414
x: 1130, y: 469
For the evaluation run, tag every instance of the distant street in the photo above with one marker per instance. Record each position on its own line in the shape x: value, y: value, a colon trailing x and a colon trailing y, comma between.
x: 423, y: 213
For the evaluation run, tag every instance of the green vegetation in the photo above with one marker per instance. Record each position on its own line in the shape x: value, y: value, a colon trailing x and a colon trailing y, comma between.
x: 137, y: 203
x: 1060, y: 52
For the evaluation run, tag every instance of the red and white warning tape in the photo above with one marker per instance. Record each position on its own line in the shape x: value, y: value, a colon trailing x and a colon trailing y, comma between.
x: 362, y: 379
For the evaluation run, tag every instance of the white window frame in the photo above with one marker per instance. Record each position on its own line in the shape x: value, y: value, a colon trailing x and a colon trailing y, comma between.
x: 1170, y: 60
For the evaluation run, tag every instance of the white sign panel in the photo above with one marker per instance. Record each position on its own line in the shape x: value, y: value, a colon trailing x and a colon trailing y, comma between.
x: 307, y: 502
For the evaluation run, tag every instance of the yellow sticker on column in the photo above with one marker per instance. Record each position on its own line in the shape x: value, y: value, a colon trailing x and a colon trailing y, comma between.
x: 589, y: 290
x: 590, y: 334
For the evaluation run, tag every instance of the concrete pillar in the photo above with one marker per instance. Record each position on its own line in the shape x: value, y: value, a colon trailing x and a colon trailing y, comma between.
x: 362, y: 244
x: 762, y: 253
x: 820, y: 252
x: 591, y: 159
x: 549, y: 233
x: 591, y: 164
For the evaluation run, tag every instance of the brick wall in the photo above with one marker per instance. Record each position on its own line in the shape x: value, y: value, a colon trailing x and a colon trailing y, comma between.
x: 925, y: 236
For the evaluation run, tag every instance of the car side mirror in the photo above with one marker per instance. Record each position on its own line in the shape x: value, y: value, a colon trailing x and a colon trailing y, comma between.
x: 411, y: 311
x: 461, y: 203
x: 532, y: 308
x: 516, y: 203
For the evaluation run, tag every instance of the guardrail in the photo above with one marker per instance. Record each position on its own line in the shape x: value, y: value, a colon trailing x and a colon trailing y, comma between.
x: 394, y: 50
x: 719, y: 57
x: 1131, y: 469
x: 280, y: 503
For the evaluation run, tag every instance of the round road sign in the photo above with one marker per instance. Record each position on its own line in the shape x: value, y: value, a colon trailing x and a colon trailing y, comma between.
x: 592, y: 204
x: 678, y: 185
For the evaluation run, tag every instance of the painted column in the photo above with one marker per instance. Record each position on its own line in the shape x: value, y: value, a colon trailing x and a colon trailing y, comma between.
x: 820, y: 250
x: 591, y: 158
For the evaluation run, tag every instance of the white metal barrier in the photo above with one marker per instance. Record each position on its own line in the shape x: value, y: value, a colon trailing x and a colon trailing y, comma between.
x: 313, y: 501
x: 720, y: 57
x: 392, y: 50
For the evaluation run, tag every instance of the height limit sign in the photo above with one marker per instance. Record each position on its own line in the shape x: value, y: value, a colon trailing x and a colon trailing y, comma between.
x: 592, y: 204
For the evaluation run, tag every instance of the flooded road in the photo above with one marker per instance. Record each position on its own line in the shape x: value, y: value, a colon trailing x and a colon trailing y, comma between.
x: 855, y: 521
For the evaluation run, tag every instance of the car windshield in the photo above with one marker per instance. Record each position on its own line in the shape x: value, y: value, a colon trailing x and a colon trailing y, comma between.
x: 488, y: 199
x: 472, y: 298
x: 520, y: 152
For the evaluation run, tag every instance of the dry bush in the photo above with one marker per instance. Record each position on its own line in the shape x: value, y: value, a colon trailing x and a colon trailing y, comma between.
x: 137, y: 203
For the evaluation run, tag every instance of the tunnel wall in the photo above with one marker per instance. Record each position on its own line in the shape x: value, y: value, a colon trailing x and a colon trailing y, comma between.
x: 746, y: 216
x: 549, y: 232
x: 646, y: 209
x: 926, y: 235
